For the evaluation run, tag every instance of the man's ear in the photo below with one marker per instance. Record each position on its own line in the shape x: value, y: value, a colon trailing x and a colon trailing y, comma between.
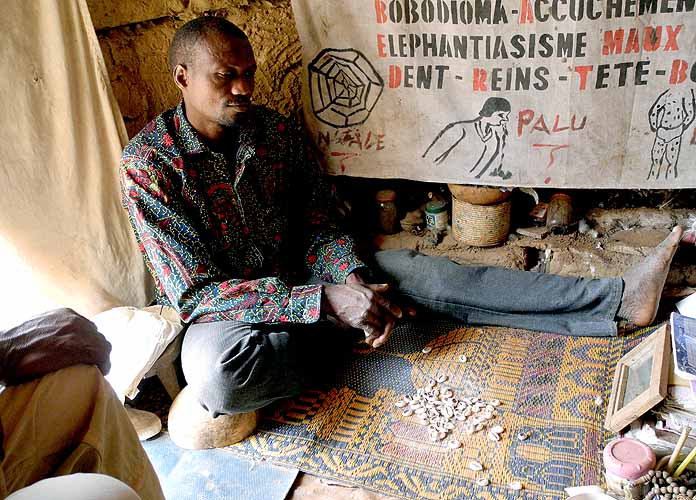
x: 180, y: 75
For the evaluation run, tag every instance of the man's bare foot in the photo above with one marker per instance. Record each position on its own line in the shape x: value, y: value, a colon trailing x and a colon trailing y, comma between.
x: 643, y: 282
x: 689, y: 237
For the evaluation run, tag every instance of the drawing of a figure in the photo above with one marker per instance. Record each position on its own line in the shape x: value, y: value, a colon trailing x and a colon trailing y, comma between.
x: 670, y: 116
x: 483, y: 138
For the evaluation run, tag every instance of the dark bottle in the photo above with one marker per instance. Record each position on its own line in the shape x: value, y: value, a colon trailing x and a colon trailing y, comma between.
x: 387, y: 213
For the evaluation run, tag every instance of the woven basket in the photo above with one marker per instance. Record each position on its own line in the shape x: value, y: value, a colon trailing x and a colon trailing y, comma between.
x: 480, y: 225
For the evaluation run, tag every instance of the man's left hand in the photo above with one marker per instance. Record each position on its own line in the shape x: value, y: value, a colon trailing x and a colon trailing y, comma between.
x: 49, y: 342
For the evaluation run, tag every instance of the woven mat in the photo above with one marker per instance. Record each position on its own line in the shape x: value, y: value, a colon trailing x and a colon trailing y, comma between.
x: 548, y: 385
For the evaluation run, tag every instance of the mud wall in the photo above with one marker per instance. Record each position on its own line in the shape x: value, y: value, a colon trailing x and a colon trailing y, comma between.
x: 134, y: 36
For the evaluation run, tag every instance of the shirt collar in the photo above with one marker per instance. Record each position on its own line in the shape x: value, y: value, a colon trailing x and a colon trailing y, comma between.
x: 191, y: 142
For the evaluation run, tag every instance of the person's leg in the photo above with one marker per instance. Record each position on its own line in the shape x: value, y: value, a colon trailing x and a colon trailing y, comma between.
x: 71, y: 421
x: 504, y: 297
x: 550, y: 303
x: 77, y: 487
x: 234, y: 367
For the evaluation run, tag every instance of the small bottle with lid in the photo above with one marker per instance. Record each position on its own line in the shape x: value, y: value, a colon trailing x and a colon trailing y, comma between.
x: 387, y: 213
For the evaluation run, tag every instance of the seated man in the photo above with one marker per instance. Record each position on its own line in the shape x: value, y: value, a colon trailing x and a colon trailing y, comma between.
x: 59, y: 417
x: 232, y: 216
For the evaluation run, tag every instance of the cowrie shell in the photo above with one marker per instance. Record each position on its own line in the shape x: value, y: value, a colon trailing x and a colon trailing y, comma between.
x: 523, y: 435
x: 453, y: 444
x: 475, y: 466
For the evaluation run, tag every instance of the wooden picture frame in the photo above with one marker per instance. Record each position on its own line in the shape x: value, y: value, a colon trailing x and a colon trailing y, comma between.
x: 640, y: 380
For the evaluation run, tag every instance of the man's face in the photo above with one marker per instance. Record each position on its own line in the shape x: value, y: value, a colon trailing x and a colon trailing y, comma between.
x: 499, y: 117
x: 220, y: 82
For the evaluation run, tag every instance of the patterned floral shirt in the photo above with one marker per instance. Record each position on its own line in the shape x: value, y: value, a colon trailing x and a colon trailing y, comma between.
x: 233, y: 238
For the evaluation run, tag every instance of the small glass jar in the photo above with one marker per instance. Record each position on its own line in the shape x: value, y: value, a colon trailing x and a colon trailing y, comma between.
x: 436, y: 216
x: 387, y: 213
x: 559, y: 214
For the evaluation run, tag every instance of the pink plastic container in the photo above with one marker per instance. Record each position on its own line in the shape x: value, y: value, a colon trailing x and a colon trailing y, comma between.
x: 626, y: 459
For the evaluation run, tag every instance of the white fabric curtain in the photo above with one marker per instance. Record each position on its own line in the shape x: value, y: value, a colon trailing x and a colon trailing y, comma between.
x: 64, y: 238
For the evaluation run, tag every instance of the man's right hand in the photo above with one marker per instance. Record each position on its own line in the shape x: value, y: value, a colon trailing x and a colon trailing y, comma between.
x: 362, y: 306
x: 49, y: 342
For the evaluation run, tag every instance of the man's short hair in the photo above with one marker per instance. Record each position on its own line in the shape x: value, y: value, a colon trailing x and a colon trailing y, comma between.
x: 186, y: 39
x: 493, y: 105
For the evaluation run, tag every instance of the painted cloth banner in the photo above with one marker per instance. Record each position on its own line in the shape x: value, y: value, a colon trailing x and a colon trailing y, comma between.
x: 562, y: 93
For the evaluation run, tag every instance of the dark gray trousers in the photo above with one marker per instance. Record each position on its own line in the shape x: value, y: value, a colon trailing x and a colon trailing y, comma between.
x: 238, y: 367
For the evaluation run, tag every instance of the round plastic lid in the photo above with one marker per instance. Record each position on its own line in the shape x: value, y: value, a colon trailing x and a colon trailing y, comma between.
x: 628, y: 458
x: 385, y: 195
x: 435, y: 206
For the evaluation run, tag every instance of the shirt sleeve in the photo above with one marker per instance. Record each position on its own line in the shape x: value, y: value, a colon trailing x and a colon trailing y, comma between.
x: 331, y: 253
x: 182, y: 265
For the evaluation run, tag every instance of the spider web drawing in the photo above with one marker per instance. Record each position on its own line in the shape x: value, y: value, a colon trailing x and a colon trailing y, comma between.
x: 343, y: 86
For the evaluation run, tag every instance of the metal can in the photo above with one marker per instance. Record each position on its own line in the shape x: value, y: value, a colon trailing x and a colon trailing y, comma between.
x: 436, y: 216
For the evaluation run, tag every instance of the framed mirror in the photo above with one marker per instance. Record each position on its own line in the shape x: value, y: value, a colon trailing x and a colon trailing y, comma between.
x: 640, y: 380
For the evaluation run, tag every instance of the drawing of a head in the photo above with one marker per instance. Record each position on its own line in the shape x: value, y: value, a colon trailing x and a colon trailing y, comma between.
x: 495, y: 111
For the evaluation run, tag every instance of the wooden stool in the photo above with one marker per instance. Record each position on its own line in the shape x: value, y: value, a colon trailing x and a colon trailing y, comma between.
x: 192, y: 427
x: 165, y: 369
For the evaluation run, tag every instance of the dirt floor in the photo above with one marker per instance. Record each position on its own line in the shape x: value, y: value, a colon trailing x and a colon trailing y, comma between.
x: 308, y: 487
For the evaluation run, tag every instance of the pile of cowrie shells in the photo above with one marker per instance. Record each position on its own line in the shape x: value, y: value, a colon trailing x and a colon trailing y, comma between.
x: 436, y: 407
